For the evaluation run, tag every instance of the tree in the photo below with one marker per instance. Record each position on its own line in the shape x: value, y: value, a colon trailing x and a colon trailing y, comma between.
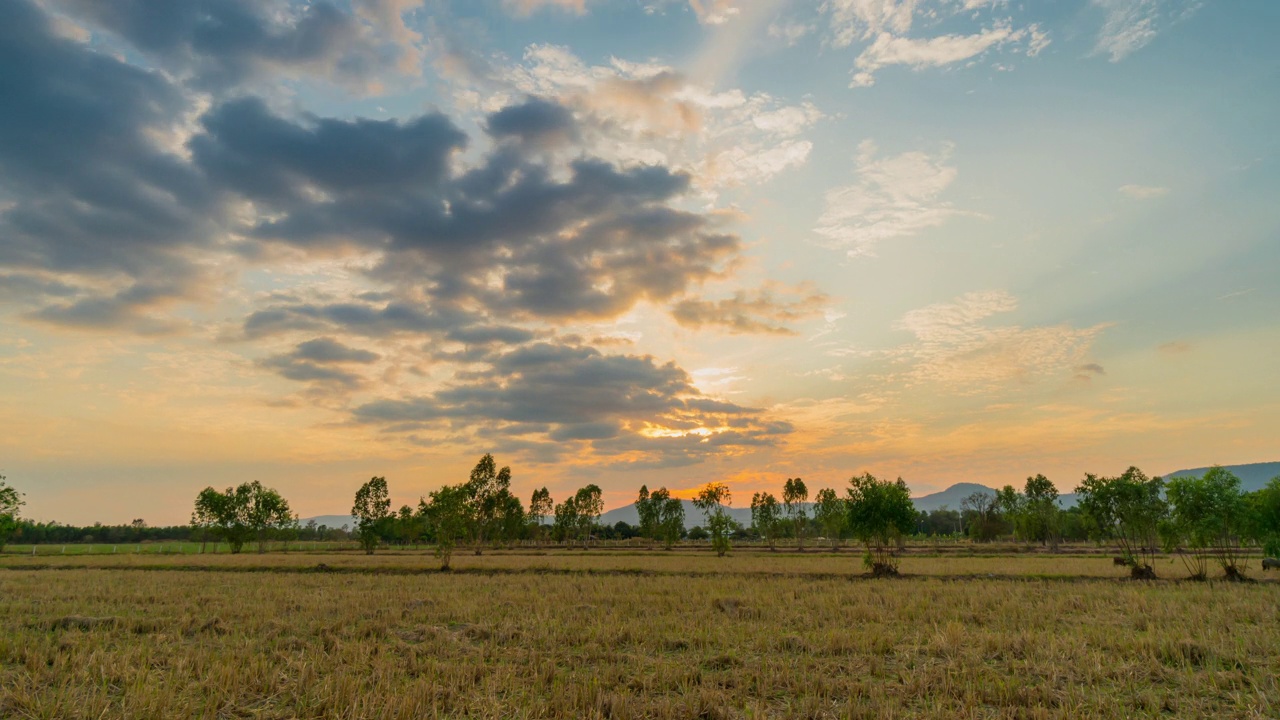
x: 764, y: 517
x: 372, y: 509
x: 10, y: 503
x: 648, y: 507
x: 984, y: 515
x: 267, y: 514
x: 241, y: 513
x: 1129, y: 510
x: 566, y: 521
x: 830, y: 513
x: 880, y: 512
x: 1040, y: 508
x: 711, y: 500
x: 448, y: 515
x: 670, y: 516
x: 540, y: 508
x: 794, y: 495
x: 589, y: 503
x: 1209, y: 517
x: 489, y: 488
x: 1265, y: 517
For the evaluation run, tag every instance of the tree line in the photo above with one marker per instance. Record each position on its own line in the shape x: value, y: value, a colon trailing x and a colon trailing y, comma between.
x: 1206, y: 521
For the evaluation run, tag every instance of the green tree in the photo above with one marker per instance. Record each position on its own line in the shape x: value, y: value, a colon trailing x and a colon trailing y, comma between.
x: 227, y: 513
x: 566, y: 523
x: 540, y: 507
x: 1209, y: 518
x: 1040, y: 510
x: 1265, y: 517
x: 830, y: 513
x: 1127, y: 509
x: 712, y: 500
x: 794, y: 496
x: 267, y: 514
x: 764, y: 517
x: 372, y: 510
x: 648, y: 507
x: 11, y: 503
x: 448, y: 515
x: 670, y: 516
x: 983, y: 512
x: 589, y: 502
x: 880, y: 512
x: 489, y: 488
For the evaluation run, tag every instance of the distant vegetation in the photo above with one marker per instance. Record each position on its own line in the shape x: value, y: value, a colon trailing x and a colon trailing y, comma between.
x: 1207, y: 521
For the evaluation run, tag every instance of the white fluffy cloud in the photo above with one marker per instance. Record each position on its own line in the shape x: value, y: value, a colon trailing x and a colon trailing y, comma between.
x: 895, y: 196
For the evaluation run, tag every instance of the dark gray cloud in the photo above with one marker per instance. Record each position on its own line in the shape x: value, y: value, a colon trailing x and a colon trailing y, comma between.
x: 313, y: 361
x: 89, y: 188
x: 583, y: 400
x: 328, y: 350
x: 536, y: 120
x: 222, y: 43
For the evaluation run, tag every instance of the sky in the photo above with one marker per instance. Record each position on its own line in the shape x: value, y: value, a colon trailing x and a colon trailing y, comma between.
x: 628, y: 242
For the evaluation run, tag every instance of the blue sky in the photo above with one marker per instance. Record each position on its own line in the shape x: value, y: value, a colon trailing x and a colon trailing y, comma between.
x: 630, y: 242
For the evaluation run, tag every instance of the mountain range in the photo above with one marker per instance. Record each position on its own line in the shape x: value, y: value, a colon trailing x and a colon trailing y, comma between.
x: 1252, y: 477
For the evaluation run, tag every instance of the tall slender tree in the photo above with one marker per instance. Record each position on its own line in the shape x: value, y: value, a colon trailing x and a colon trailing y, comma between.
x: 11, y: 503
x: 794, y: 496
x: 764, y: 517
x: 712, y: 500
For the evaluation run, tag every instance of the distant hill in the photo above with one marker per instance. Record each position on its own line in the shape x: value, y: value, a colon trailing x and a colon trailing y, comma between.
x: 1252, y: 477
x: 950, y: 497
x: 693, y: 517
x: 331, y: 521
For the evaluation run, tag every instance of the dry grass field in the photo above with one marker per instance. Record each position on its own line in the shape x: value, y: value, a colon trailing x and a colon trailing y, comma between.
x: 612, y: 634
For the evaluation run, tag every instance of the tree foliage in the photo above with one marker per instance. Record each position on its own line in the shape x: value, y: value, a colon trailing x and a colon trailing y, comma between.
x: 11, y: 503
x: 670, y: 516
x: 794, y: 495
x: 765, y: 514
x: 1127, y: 509
x: 588, y: 503
x: 448, y: 514
x: 830, y: 514
x: 249, y: 511
x: 540, y: 508
x: 372, y: 510
x: 1209, y: 519
x: 880, y: 512
x: 712, y: 500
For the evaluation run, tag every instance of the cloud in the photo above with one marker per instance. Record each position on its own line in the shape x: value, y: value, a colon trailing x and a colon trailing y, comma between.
x: 853, y: 20
x: 528, y: 7
x: 1129, y: 25
x: 642, y: 113
x: 1175, y: 347
x: 894, y: 197
x: 933, y: 52
x: 564, y: 399
x: 1143, y: 192
x: 536, y: 121
x: 750, y: 312
x: 886, y: 25
x: 220, y: 44
x: 954, y: 345
x: 714, y: 12
x: 328, y: 350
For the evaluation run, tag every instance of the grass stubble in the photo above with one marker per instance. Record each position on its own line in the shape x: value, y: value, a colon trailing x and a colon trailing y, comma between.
x: 627, y: 635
